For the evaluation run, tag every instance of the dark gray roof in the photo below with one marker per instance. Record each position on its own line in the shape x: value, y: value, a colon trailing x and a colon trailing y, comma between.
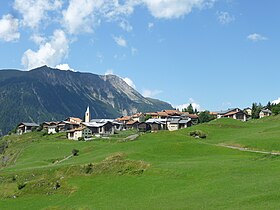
x: 267, y: 111
x: 226, y: 111
x: 174, y: 121
x: 30, y: 124
x: 184, y: 121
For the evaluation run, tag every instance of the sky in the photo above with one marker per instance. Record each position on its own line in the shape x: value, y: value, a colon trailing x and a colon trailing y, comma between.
x: 215, y: 54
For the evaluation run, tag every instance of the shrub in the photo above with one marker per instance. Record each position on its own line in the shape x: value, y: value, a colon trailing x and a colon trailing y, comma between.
x: 21, y: 185
x: 89, y: 168
x: 75, y: 152
x: 198, y: 134
x: 81, y: 139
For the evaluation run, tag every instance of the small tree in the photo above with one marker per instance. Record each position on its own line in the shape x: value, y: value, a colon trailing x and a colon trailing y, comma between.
x: 205, y: 117
x: 190, y: 109
x: 148, y: 116
x: 75, y: 152
x: 256, y: 109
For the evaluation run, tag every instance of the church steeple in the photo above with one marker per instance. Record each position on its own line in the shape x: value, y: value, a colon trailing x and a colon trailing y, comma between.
x: 87, y: 115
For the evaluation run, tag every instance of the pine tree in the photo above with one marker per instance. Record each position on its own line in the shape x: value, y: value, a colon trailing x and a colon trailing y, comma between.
x: 190, y: 109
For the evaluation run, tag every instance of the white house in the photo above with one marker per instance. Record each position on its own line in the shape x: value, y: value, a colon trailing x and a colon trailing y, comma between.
x: 265, y: 113
x: 52, y: 129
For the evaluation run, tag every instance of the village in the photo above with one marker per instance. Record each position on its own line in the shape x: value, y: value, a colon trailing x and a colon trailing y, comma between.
x: 171, y: 120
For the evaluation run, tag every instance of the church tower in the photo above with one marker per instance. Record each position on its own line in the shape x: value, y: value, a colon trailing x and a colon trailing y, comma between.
x: 87, y: 115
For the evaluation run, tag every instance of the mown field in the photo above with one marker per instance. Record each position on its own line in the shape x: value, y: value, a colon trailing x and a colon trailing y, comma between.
x: 164, y: 170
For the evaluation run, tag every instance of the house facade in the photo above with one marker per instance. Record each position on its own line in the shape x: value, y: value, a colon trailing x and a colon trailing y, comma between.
x: 235, y: 113
x: 265, y: 113
x: 26, y: 127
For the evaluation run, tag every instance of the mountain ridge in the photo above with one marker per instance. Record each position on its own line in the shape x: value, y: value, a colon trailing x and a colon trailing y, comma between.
x: 45, y: 93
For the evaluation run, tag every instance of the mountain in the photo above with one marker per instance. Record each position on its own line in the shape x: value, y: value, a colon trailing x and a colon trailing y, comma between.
x: 45, y: 94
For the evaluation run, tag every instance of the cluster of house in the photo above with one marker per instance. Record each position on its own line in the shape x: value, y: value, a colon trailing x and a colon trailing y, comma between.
x: 76, y: 128
x: 171, y: 120
x: 239, y: 114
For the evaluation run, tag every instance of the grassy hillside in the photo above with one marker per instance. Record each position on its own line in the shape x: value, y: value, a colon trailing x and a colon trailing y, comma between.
x: 164, y: 170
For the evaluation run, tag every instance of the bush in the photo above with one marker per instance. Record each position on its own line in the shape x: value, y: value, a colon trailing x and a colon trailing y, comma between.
x: 198, y: 134
x: 75, y: 152
x: 21, y: 185
x: 81, y: 139
x: 89, y: 168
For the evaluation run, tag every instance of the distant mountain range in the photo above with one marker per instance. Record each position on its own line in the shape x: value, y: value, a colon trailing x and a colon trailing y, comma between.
x: 45, y: 94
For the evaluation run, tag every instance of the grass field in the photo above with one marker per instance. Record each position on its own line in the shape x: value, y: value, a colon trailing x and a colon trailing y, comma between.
x: 164, y: 170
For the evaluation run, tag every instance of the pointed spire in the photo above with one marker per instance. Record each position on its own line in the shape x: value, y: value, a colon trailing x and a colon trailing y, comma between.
x: 87, y: 115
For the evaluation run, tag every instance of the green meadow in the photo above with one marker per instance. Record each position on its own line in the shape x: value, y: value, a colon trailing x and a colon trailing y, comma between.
x: 164, y: 170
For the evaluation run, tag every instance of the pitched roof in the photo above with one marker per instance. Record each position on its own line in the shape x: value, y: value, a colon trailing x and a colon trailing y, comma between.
x: 266, y: 111
x: 171, y: 112
x: 74, y: 119
x: 193, y: 116
x: 156, y: 121
x: 232, y: 113
x: 95, y: 124
x: 152, y: 113
x: 29, y: 124
x: 137, y: 114
x: 132, y: 122
x: 125, y: 118
x: 223, y: 112
x: 162, y: 114
x: 76, y: 129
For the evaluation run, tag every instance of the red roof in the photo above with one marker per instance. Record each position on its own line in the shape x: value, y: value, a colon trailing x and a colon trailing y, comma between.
x: 231, y: 113
x: 193, y: 116
x: 132, y: 122
x: 162, y: 114
x: 125, y: 118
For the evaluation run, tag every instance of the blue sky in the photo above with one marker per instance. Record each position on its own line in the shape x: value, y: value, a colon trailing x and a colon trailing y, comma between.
x: 212, y: 53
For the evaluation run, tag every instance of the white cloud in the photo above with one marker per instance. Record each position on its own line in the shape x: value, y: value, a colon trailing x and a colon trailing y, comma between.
x: 277, y: 101
x: 64, y: 67
x: 50, y: 53
x: 150, y: 93
x: 150, y: 25
x: 256, y: 37
x: 120, y: 41
x: 225, y: 18
x: 34, y: 11
x: 125, y: 25
x: 194, y: 104
x: 38, y: 39
x: 129, y: 82
x: 79, y: 16
x: 82, y: 15
x: 175, y: 8
x: 9, y: 28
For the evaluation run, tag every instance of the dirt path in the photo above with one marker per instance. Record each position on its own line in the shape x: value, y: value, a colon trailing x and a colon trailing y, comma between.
x: 63, y: 159
x: 241, y: 148
x: 131, y: 137
x: 248, y: 150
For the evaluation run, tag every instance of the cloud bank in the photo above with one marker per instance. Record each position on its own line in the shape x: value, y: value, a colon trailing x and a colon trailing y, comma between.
x: 9, y: 28
x: 70, y: 19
